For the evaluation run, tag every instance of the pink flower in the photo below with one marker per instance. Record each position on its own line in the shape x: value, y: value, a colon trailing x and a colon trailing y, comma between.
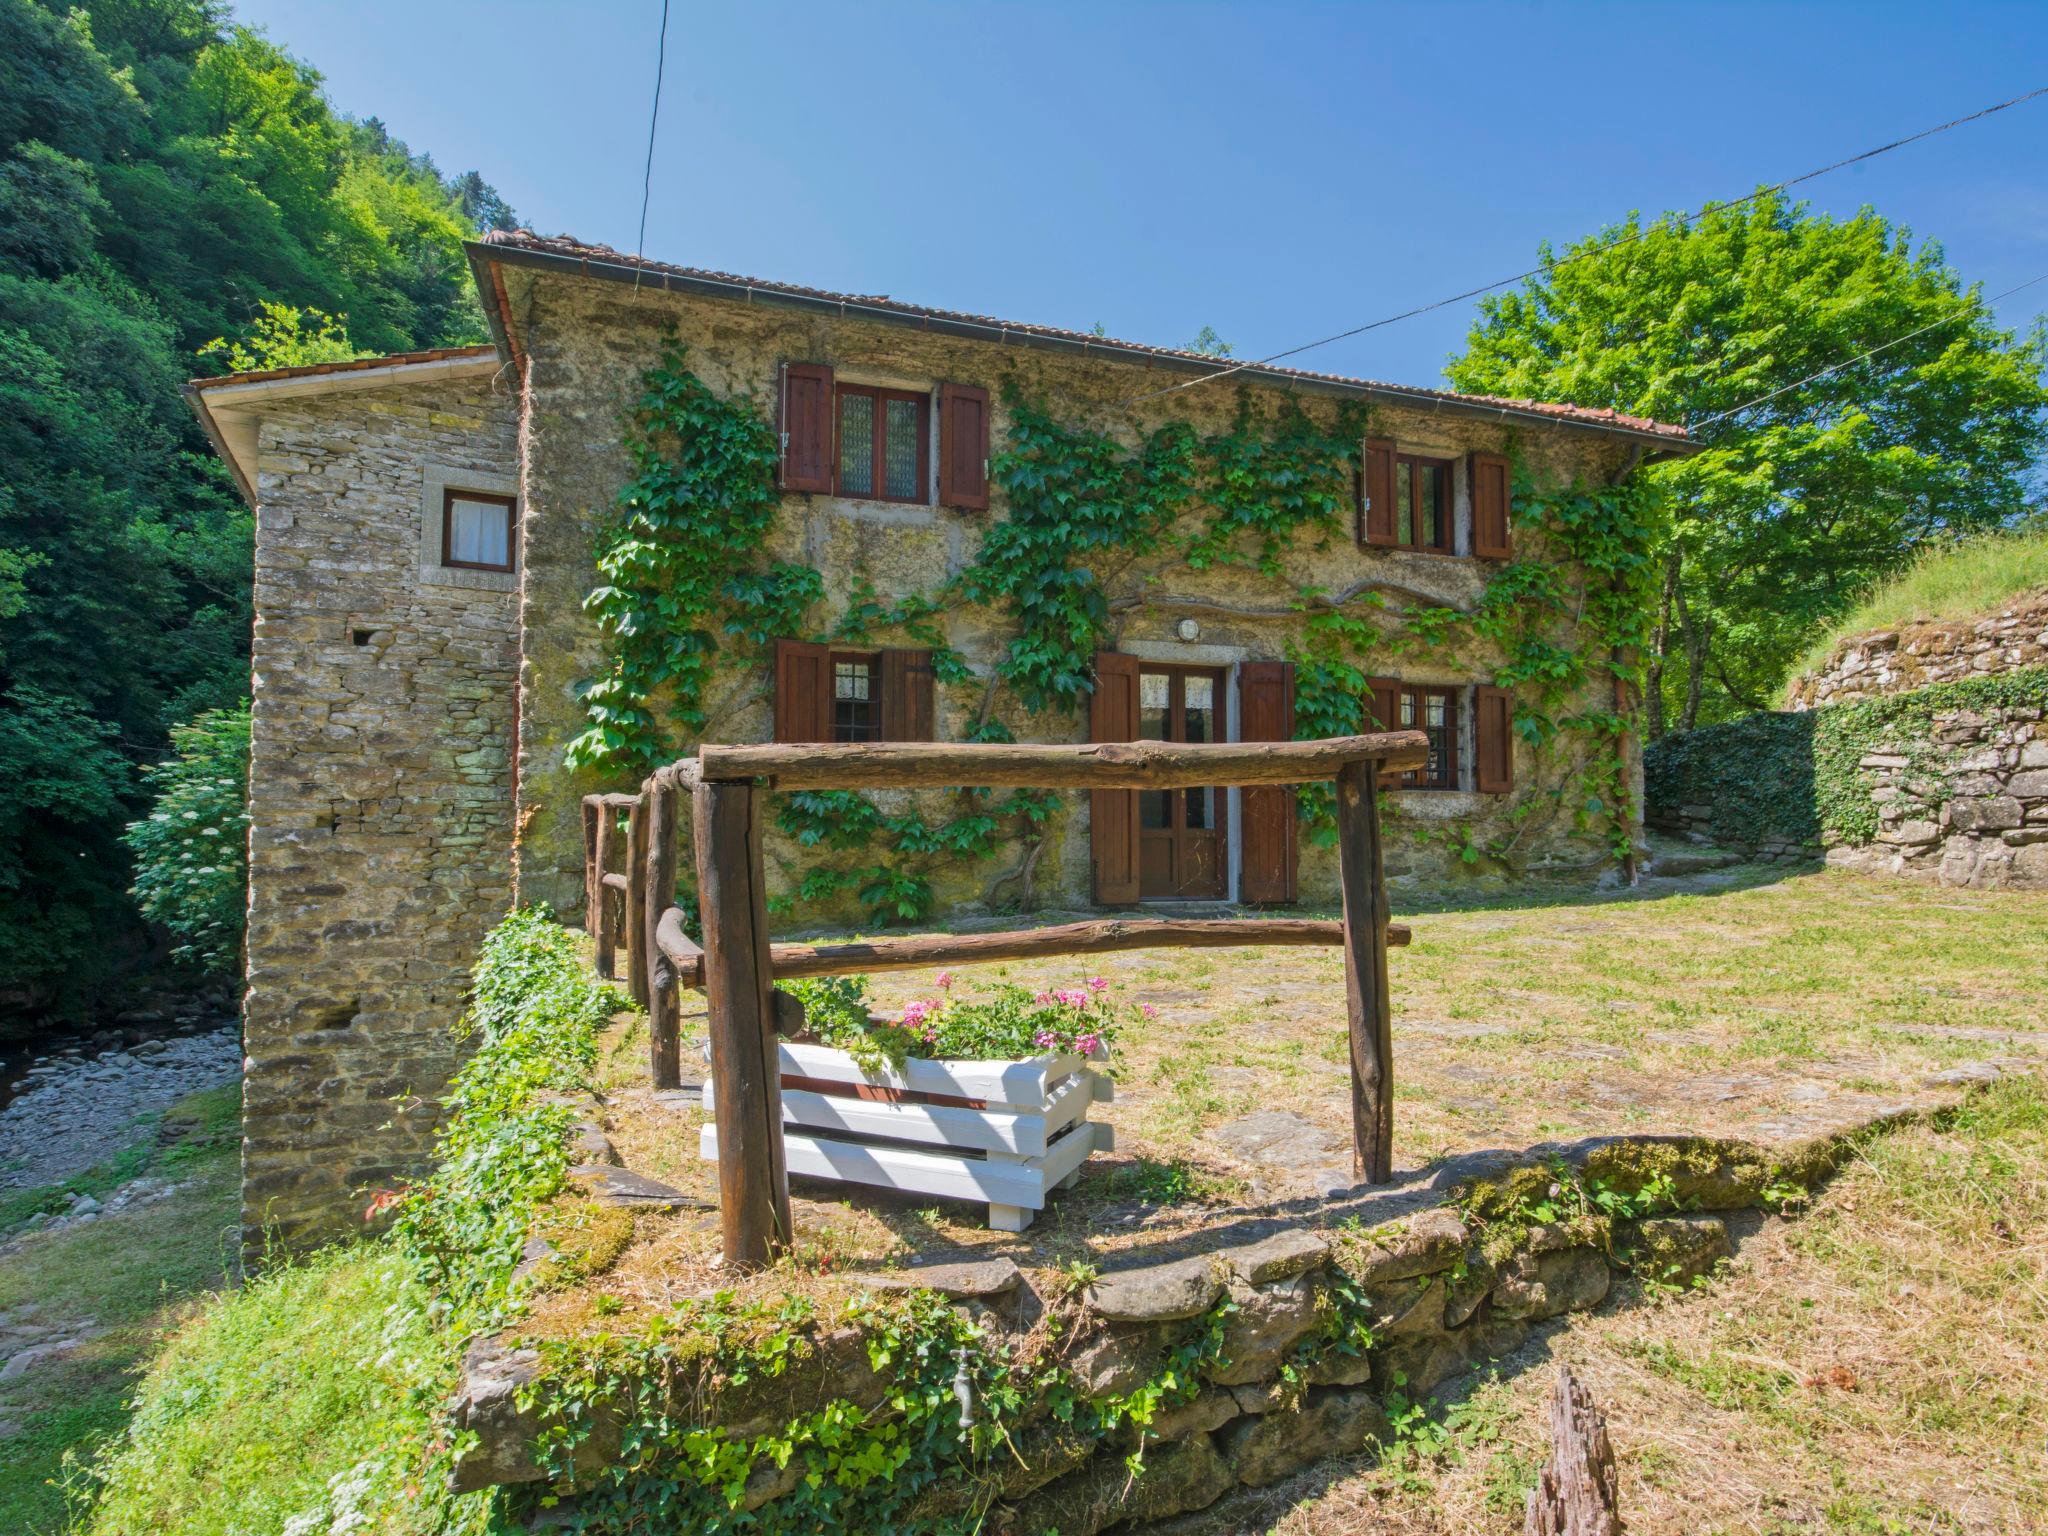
x: 1042, y: 999
x: 1045, y: 1037
x: 915, y: 1014
x: 1087, y: 1045
x: 1098, y: 983
x: 1073, y: 997
x: 945, y: 980
x: 1148, y: 1010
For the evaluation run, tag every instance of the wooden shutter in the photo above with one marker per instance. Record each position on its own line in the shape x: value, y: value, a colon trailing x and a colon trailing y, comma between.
x: 906, y: 683
x: 1385, y: 703
x: 1266, y: 713
x: 1113, y: 813
x: 807, y: 417
x: 1495, y: 747
x: 1376, y: 518
x: 803, y: 692
x: 963, y: 447
x: 1492, y: 494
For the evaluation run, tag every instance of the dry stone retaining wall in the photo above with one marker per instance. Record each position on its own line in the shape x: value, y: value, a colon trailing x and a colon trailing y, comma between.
x: 1967, y: 807
x: 380, y: 791
x: 1914, y: 655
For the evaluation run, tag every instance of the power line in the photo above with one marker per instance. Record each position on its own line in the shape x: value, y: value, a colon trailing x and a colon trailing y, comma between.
x: 1812, y: 378
x: 654, y: 117
x: 1473, y: 293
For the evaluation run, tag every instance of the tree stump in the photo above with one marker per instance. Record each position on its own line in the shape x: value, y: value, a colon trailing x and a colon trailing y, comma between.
x: 1577, y: 1491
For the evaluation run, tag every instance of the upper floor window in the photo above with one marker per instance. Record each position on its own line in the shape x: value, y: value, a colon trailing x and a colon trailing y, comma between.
x: 883, y: 452
x: 1422, y: 502
x: 476, y: 530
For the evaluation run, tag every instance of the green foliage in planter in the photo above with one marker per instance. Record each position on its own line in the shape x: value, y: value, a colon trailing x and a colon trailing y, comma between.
x: 192, y: 850
x: 1793, y: 777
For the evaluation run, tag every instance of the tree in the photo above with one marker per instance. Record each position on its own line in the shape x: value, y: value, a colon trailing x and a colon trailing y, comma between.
x: 1808, y: 489
x: 191, y: 851
x: 165, y: 180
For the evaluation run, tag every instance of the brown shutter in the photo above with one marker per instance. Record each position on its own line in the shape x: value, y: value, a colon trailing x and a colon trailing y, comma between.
x: 1492, y: 492
x: 963, y: 447
x: 906, y: 695
x: 803, y: 692
x: 1266, y: 713
x: 808, y: 419
x: 1385, y: 703
x: 1495, y: 709
x: 1376, y: 518
x: 1113, y: 813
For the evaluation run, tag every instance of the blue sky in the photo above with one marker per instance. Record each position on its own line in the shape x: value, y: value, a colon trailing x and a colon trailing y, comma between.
x: 1278, y: 172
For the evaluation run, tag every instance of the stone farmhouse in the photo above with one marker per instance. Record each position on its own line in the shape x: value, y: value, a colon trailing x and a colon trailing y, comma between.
x: 425, y: 534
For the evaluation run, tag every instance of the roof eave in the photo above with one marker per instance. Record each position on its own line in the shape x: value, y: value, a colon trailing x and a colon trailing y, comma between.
x: 482, y: 256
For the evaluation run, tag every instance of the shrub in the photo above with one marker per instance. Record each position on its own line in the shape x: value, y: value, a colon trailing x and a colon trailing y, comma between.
x: 191, y: 851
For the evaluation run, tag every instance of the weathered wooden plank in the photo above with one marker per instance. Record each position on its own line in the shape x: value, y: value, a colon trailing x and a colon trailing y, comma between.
x: 1077, y: 765
x: 753, y: 1182
x: 1016, y: 1084
x: 1023, y: 1184
x: 1092, y: 938
x: 1368, y: 1008
x: 1578, y: 1491
x: 594, y: 840
x: 599, y: 890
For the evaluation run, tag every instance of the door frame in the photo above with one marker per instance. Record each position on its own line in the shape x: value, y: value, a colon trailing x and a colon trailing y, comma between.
x: 1223, y: 673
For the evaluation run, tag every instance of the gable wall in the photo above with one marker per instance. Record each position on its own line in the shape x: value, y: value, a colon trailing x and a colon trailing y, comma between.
x: 589, y: 343
x: 380, y: 792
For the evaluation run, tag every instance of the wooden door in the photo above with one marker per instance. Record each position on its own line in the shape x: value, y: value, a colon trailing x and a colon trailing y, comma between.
x: 1181, y: 832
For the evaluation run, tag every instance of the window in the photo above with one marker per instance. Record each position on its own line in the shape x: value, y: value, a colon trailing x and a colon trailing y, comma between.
x: 1434, y: 712
x: 476, y: 530
x: 1422, y: 502
x: 855, y: 716
x: 883, y: 452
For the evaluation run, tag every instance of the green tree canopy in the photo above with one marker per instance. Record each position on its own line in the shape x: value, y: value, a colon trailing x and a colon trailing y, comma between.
x: 166, y: 179
x: 1808, y: 489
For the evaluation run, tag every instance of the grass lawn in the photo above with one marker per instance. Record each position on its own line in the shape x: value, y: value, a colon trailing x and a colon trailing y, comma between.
x: 1875, y: 1366
x: 1766, y: 1007
x: 121, y: 1279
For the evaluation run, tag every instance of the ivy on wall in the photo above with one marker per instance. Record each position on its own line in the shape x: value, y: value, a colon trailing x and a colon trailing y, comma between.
x: 1796, y: 776
x: 682, y: 567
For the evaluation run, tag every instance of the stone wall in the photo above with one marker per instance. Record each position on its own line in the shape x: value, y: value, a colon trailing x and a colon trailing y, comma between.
x: 1914, y: 655
x: 380, y: 790
x: 589, y: 342
x: 1964, y: 804
x: 1314, y: 1336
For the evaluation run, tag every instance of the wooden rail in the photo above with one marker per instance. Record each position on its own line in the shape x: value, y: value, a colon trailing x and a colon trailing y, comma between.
x: 608, y: 889
x: 787, y: 961
x: 737, y: 965
x: 1084, y: 765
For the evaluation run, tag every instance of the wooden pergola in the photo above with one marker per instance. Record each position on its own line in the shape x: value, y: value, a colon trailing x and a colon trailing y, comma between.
x: 737, y: 964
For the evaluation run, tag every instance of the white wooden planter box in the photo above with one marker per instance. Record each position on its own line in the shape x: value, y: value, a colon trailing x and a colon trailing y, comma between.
x: 894, y: 1128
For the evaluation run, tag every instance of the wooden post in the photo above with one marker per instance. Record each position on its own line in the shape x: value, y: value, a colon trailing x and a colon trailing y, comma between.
x: 1366, y: 999
x: 1577, y: 1493
x: 637, y: 952
x: 753, y: 1180
x: 593, y: 866
x: 605, y: 931
x: 664, y: 996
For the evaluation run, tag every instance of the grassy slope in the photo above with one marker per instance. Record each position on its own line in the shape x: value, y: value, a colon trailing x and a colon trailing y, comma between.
x: 131, y: 1273
x: 1971, y: 579
x: 1870, y: 1368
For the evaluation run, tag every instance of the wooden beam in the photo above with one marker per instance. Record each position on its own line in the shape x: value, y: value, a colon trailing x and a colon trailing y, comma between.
x: 1578, y: 1491
x: 1078, y: 765
x: 753, y: 1178
x: 593, y: 866
x: 909, y: 954
x: 664, y: 1002
x: 604, y: 935
x: 637, y: 954
x: 1368, y: 1009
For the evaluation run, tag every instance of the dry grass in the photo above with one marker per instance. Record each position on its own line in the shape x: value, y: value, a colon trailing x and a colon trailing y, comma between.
x: 1878, y: 1365
x: 1767, y: 1011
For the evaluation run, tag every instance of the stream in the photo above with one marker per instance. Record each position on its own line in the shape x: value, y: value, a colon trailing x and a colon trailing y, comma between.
x: 68, y: 1101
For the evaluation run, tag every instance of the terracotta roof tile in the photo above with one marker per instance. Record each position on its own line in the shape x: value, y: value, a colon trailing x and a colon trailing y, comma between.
x: 567, y: 247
